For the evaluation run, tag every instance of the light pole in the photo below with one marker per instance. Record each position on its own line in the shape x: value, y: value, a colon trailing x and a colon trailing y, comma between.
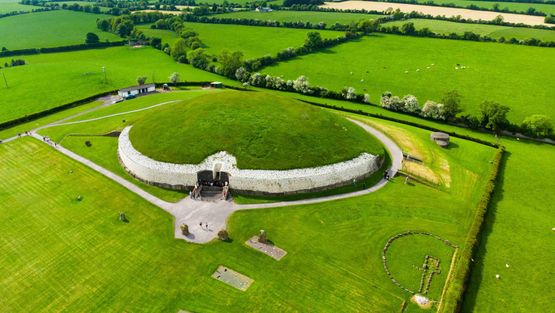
x: 5, y: 80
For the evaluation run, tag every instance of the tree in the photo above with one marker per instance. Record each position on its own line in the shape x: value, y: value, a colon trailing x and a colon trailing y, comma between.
x: 198, y: 58
x: 452, y: 104
x: 223, y: 235
x: 301, y: 84
x: 184, y: 229
x: 366, y: 98
x: 175, y: 78
x: 179, y: 48
x: 91, y: 38
x: 349, y: 93
x: 408, y: 28
x: 538, y: 125
x: 230, y: 62
x: 493, y: 115
x: 313, y: 40
x: 432, y: 110
x: 241, y: 74
x: 411, y: 104
x: 141, y: 80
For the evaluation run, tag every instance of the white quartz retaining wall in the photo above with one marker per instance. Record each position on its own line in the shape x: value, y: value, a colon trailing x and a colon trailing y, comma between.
x: 257, y: 181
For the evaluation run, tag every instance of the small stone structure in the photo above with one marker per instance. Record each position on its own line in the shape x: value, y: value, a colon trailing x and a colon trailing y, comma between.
x: 232, y: 278
x: 269, y: 249
x: 264, y: 182
x: 442, y: 139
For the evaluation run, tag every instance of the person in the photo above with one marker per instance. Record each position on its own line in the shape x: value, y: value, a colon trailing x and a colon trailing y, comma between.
x: 200, y: 224
x: 386, y: 175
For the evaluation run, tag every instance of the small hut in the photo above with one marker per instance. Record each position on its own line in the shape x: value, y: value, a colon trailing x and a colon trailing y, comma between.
x: 216, y: 85
x: 442, y: 139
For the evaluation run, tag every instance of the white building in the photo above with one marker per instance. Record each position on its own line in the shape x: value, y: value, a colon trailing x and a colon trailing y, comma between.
x: 136, y: 90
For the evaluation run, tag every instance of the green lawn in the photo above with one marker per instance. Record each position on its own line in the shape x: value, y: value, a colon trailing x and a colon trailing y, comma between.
x: 513, y: 6
x: 7, y: 6
x: 494, y: 31
x: 518, y: 227
x: 50, y: 29
x: 255, y: 128
x: 50, y: 80
x: 86, y: 260
x: 252, y: 41
x: 329, y: 18
x: 381, y: 63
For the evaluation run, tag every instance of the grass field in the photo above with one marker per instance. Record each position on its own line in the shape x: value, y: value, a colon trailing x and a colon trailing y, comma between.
x: 387, y: 62
x: 89, y: 261
x: 49, y: 29
x: 517, y: 228
x: 513, y: 6
x: 255, y: 128
x: 494, y: 31
x: 7, y: 6
x: 61, y: 78
x: 252, y: 41
x: 329, y: 18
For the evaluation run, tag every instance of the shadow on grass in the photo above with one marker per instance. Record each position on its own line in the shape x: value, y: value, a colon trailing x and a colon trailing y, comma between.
x: 476, y: 272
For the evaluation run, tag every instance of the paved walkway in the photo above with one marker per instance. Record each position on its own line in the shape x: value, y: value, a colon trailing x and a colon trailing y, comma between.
x: 212, y: 214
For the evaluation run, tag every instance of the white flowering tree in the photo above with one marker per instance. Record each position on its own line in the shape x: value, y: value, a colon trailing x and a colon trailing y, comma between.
x: 241, y: 74
x: 349, y: 93
x: 301, y: 84
x: 433, y: 110
x: 385, y: 99
x: 411, y: 104
x: 366, y: 98
x: 257, y: 79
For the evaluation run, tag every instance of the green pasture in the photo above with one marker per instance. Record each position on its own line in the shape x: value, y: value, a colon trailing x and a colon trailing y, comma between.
x: 252, y: 41
x: 512, y: 6
x: 494, y: 31
x: 313, y: 17
x: 90, y: 261
x: 7, y: 6
x: 516, y: 76
x: 50, y: 29
x: 518, y: 227
x: 51, y: 80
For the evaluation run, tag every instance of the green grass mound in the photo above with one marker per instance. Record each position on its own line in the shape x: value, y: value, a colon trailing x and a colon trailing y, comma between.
x: 262, y: 131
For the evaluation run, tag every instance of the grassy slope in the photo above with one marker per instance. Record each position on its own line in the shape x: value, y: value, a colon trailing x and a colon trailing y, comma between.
x: 329, y: 18
x: 255, y: 128
x: 7, y: 6
x: 104, y: 149
x: 494, y: 31
x: 50, y: 80
x: 89, y: 261
x: 381, y: 61
x: 49, y: 29
x: 513, y: 6
x: 253, y: 41
x: 522, y: 205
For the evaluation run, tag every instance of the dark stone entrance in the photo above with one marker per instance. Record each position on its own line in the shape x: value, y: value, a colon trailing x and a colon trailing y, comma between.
x: 211, y: 185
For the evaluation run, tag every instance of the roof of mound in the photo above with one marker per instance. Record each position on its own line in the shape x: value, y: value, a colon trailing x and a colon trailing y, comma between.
x: 261, y: 130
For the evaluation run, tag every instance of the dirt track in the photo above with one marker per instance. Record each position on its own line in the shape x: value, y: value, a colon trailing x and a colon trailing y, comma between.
x: 437, y: 11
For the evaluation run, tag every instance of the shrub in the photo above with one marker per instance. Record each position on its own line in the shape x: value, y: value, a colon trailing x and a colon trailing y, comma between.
x: 537, y: 125
x: 223, y: 235
x: 184, y: 229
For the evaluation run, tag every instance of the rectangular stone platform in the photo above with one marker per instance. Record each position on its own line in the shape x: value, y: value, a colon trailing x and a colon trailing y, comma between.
x: 268, y: 249
x: 232, y: 278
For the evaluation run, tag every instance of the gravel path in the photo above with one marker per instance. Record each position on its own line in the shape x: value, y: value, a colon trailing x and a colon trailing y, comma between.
x: 437, y: 11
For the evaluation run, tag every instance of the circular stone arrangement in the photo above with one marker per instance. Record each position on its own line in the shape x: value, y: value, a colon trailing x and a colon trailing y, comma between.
x: 424, y: 283
x: 260, y: 143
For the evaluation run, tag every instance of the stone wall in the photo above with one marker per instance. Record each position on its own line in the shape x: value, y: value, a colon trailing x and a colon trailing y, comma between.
x: 182, y: 176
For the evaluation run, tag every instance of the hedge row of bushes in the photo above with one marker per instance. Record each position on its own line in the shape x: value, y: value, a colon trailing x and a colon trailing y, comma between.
x: 393, y: 119
x: 455, y: 291
x: 7, y: 53
x: 13, y: 13
x: 409, y: 30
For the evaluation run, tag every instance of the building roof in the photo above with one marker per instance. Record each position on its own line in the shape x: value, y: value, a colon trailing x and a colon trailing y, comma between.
x: 137, y: 87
